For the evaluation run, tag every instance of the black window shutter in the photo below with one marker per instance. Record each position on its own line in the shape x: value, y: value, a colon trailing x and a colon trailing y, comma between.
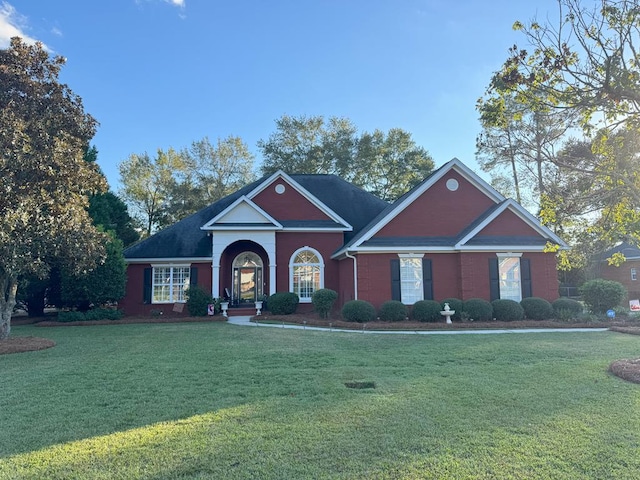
x: 494, y: 279
x: 193, y: 277
x: 427, y: 279
x: 396, y: 293
x: 146, y: 285
x: 525, y: 277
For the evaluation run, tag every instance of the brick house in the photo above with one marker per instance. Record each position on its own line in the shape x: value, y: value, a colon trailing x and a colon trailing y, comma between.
x: 452, y: 235
x: 628, y: 274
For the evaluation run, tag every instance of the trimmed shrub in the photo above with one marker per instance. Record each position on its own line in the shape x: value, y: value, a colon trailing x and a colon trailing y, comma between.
x: 71, y: 316
x: 393, y: 311
x: 602, y: 295
x: 505, y: 310
x: 90, y: 315
x: 454, y: 304
x: 198, y: 301
x: 427, y: 311
x: 358, y: 311
x: 478, y: 309
x: 537, y: 308
x: 283, y: 303
x: 566, y: 308
x: 103, y: 314
x: 323, y: 301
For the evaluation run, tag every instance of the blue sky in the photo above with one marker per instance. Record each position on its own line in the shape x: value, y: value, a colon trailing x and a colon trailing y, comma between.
x: 163, y: 73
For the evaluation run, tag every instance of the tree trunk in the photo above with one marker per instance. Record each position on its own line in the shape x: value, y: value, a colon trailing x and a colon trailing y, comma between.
x: 9, y: 287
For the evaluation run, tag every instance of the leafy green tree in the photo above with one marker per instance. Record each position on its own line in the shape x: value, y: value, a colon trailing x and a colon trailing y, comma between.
x: 310, y: 145
x: 390, y: 165
x: 587, y: 63
x: 105, y: 283
x: 212, y: 171
x: 44, y: 179
x: 147, y: 182
x: 385, y: 164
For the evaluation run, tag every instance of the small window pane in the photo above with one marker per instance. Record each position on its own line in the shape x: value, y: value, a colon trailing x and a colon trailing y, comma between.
x: 411, y: 289
x: 509, y: 271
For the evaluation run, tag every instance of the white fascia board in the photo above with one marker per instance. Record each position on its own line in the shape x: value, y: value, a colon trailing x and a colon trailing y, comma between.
x: 319, y: 229
x: 243, y: 228
x: 302, y: 191
x: 453, y: 164
x: 211, y: 224
x: 166, y: 261
x: 521, y: 212
x: 503, y: 248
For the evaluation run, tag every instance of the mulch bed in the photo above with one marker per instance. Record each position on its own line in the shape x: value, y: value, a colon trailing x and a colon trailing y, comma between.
x: 628, y: 370
x: 24, y: 344
x: 314, y: 320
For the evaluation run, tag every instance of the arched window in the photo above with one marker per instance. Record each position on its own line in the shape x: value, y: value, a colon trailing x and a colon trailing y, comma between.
x: 306, y: 273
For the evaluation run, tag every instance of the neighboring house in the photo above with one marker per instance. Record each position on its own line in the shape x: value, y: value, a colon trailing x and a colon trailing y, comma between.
x: 452, y: 235
x: 628, y: 274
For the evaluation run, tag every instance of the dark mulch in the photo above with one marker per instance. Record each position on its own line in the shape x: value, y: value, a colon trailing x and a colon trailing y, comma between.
x: 624, y: 329
x: 131, y: 320
x: 24, y: 344
x: 628, y: 370
x: 312, y: 319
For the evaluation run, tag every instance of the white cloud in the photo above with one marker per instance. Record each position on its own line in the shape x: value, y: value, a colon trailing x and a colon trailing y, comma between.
x: 177, y: 3
x: 56, y: 31
x: 12, y: 24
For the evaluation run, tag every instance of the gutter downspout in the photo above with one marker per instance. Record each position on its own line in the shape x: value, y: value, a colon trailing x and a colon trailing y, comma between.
x: 355, y: 273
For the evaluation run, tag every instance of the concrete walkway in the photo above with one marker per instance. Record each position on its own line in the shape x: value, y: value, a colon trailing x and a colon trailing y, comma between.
x: 246, y: 322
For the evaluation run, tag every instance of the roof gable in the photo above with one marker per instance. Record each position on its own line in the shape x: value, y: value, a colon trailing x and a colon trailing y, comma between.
x: 479, y: 212
x: 286, y: 199
x: 242, y: 214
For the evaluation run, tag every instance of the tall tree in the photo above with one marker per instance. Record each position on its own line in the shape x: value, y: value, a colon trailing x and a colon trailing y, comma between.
x: 44, y: 179
x: 146, y: 184
x: 587, y: 63
x: 310, y: 145
x: 390, y: 165
x: 385, y: 164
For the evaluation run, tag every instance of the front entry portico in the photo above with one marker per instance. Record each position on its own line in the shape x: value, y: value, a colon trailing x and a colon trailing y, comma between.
x: 247, y: 279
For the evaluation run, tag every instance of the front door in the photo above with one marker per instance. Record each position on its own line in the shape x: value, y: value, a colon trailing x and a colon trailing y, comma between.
x: 247, y: 279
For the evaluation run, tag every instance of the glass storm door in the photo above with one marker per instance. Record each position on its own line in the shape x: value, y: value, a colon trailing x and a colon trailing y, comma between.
x: 247, y: 279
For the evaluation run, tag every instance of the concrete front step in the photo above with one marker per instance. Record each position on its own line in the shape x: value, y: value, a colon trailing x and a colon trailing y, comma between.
x: 241, y: 312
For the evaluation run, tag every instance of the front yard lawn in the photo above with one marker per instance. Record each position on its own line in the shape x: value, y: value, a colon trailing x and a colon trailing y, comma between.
x: 212, y: 400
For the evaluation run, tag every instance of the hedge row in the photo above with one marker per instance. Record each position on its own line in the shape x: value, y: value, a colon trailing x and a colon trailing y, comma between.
x: 474, y: 309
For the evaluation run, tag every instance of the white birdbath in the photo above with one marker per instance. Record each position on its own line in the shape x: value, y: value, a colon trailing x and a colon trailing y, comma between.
x: 447, y: 312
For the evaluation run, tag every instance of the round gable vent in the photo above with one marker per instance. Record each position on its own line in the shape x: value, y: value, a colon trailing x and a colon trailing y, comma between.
x: 280, y: 188
x: 452, y: 184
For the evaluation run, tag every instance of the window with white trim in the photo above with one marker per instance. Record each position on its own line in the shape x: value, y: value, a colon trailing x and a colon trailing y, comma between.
x: 411, y: 287
x: 306, y: 273
x: 509, y: 276
x: 169, y: 284
x: 634, y: 274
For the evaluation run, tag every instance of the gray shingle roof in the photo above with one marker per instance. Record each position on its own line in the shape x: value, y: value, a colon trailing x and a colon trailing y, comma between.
x: 184, y: 239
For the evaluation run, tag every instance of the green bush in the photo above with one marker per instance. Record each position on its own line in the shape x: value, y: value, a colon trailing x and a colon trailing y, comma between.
x: 566, y: 308
x: 71, y: 316
x: 358, y: 311
x: 505, y: 310
x: 90, y: 315
x: 323, y: 301
x: 283, y: 303
x: 454, y: 304
x: 602, y: 295
x: 198, y: 301
x: 478, y: 309
x: 426, y: 311
x: 393, y: 311
x: 537, y: 308
x: 103, y: 314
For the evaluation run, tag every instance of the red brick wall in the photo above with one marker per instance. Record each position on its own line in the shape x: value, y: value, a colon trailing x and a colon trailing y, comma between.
x: 622, y: 274
x: 325, y: 243
x: 439, y: 212
x: 289, y: 205
x: 133, y: 302
x: 508, y: 223
x: 457, y: 275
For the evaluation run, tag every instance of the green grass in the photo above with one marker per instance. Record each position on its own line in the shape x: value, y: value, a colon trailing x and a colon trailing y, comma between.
x: 200, y: 401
